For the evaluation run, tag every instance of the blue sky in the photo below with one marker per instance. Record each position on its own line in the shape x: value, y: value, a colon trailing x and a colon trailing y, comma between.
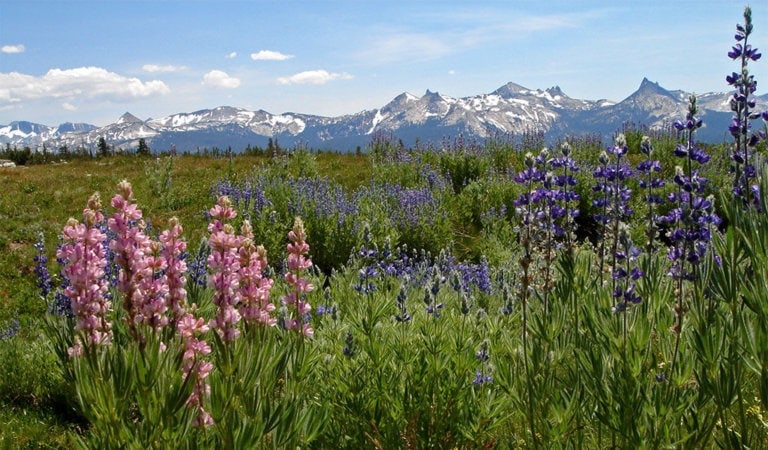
x: 85, y: 61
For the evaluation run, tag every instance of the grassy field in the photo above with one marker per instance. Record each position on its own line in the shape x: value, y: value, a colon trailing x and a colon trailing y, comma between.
x: 37, y: 200
x: 443, y: 316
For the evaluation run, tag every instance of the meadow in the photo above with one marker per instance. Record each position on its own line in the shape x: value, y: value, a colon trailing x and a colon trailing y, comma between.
x: 509, y: 293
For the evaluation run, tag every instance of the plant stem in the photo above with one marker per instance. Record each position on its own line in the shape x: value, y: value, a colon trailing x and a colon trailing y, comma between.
x: 678, y: 323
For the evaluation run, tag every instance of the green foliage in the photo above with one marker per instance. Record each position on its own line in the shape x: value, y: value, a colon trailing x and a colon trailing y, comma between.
x: 403, y: 384
x: 463, y: 167
x: 29, y: 373
x: 158, y: 175
x: 133, y: 394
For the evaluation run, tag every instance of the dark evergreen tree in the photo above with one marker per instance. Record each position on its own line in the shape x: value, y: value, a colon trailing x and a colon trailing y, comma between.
x: 104, y: 148
x: 143, y: 149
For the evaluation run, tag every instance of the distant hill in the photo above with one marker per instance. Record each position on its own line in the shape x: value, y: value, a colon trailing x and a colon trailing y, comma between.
x: 509, y: 110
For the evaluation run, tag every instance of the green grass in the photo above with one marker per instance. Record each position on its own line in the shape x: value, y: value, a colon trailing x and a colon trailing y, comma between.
x: 34, y: 428
x: 39, y: 199
x: 411, y: 383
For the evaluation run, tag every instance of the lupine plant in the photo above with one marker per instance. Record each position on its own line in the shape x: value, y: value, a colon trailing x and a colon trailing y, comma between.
x: 612, y: 200
x: 122, y: 361
x: 743, y: 104
x: 298, y: 308
x: 84, y: 262
x: 527, y: 209
x: 224, y: 263
x: 650, y: 183
x: 565, y: 195
x: 692, y: 220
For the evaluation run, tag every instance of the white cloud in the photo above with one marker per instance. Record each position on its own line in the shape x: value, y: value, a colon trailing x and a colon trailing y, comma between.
x: 162, y: 68
x: 12, y: 48
x: 85, y: 82
x: 313, y: 77
x: 269, y: 55
x: 231, y: 55
x: 218, y: 78
x: 69, y: 106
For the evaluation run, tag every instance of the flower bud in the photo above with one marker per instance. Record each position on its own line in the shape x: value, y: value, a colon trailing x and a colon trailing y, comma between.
x: 711, y: 200
x: 529, y: 161
x: 620, y: 140
x: 623, y: 233
x: 298, y: 229
x: 125, y: 189
x: 94, y: 202
x: 246, y: 229
x: 645, y: 146
x: 155, y: 247
x: 89, y: 217
x: 692, y: 108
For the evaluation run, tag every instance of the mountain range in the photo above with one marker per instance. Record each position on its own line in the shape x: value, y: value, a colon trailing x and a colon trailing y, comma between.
x: 509, y: 110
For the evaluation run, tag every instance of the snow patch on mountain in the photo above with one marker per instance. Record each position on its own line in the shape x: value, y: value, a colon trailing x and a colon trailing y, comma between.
x: 377, y: 119
x: 511, y: 109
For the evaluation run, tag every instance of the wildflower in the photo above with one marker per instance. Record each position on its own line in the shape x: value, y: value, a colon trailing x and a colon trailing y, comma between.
x: 195, y: 366
x: 482, y: 374
x: 625, y: 272
x: 152, y: 306
x: 650, y: 183
x: 546, y: 217
x: 84, y: 261
x: 482, y: 378
x: 349, y: 349
x: 255, y: 306
x: 430, y: 294
x: 743, y: 106
x: 198, y: 272
x: 614, y: 196
x: 365, y: 275
x: 298, y: 262
x: 564, y: 192
x: 141, y: 278
x: 323, y: 310
x: 224, y: 263
x: 693, y: 217
x: 41, y: 268
x: 61, y: 304
x: 176, y: 267
x: 402, y: 295
x: 482, y: 352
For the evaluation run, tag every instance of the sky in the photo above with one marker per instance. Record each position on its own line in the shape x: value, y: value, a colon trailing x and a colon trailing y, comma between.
x: 91, y: 61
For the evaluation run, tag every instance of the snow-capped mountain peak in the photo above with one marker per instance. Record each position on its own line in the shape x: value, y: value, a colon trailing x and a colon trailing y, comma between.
x: 510, y: 90
x: 128, y: 118
x: 511, y: 109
